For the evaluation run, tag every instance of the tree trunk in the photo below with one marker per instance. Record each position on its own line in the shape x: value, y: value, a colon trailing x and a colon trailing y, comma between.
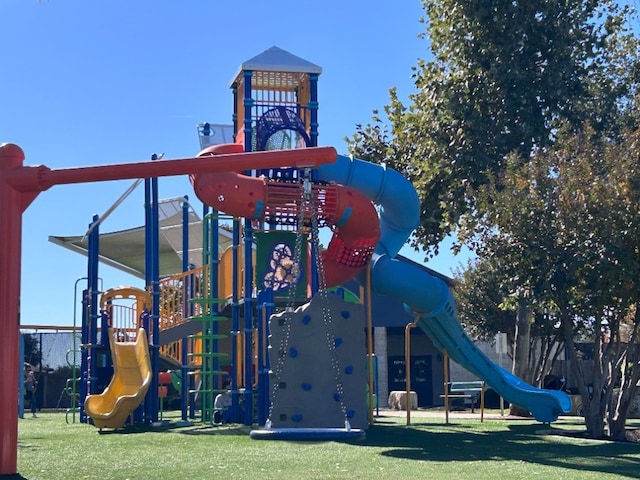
x: 620, y: 405
x: 618, y: 424
x: 593, y: 419
x: 521, y: 350
x: 521, y: 347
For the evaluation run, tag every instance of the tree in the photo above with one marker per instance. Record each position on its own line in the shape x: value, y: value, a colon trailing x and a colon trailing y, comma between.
x: 504, y: 75
x: 565, y: 228
x: 599, y: 219
x: 506, y: 80
x: 480, y: 297
x: 502, y: 289
x: 484, y: 295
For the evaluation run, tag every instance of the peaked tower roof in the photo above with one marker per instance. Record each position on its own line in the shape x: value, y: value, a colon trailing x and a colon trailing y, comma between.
x: 275, y: 59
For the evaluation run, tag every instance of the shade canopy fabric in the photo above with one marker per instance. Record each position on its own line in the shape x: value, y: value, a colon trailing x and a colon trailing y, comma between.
x: 125, y: 249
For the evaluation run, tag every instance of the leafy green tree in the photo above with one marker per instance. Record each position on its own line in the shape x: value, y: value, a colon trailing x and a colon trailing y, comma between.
x: 486, y: 305
x: 600, y: 222
x: 480, y: 297
x: 565, y: 228
x: 503, y: 76
x: 505, y: 81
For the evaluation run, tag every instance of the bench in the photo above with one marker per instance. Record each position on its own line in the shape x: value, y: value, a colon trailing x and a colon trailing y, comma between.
x: 473, y: 391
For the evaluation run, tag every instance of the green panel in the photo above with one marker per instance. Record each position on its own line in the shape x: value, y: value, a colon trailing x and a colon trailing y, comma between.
x: 346, y: 294
x: 274, y: 263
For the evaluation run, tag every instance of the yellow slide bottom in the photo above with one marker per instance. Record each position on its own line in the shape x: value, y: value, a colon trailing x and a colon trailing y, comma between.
x: 128, y: 386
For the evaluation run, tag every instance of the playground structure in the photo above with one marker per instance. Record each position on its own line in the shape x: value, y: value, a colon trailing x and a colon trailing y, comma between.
x: 301, y: 190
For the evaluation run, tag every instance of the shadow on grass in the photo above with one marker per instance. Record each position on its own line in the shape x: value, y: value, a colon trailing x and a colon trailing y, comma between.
x: 440, y: 443
x: 227, y: 429
x: 195, y: 429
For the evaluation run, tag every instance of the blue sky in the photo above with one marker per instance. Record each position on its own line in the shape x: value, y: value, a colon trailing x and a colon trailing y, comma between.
x: 110, y: 81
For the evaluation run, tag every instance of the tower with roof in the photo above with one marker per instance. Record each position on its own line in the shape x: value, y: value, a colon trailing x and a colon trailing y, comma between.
x: 275, y: 102
x: 275, y: 107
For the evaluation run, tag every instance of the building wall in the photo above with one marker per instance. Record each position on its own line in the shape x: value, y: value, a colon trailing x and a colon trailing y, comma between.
x: 426, y: 369
x: 459, y: 374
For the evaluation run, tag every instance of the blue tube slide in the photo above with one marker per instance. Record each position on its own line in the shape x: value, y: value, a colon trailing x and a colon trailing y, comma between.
x: 426, y: 295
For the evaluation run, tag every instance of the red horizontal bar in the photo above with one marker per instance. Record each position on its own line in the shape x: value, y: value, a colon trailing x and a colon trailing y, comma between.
x: 40, y: 178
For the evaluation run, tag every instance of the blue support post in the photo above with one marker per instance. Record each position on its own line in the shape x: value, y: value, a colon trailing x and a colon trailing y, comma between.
x: 89, y: 331
x: 313, y: 109
x: 92, y: 274
x: 84, y: 354
x: 152, y: 277
x: 248, y: 322
x: 185, y: 234
x: 234, y: 117
x: 267, y: 308
x: 148, y: 243
x: 248, y: 106
x: 155, y: 304
x: 248, y: 267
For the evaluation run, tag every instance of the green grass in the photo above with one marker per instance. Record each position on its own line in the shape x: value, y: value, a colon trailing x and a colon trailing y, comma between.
x: 49, y: 448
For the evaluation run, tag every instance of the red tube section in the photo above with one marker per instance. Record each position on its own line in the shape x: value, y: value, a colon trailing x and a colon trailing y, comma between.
x: 349, y: 213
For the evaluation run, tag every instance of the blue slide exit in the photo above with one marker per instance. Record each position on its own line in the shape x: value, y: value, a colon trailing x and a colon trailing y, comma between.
x: 425, y: 294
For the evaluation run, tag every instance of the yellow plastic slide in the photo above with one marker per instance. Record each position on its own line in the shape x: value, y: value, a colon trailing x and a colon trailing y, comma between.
x: 128, y: 386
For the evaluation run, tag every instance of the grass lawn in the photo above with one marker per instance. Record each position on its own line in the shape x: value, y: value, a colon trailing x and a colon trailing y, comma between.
x: 50, y: 449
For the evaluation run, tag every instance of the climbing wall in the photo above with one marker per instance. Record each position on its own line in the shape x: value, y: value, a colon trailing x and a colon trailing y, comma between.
x: 306, y: 394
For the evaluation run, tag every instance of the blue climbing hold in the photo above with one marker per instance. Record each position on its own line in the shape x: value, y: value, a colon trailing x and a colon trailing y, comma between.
x: 345, y: 314
x: 293, y: 353
x: 348, y: 369
x: 306, y: 319
x: 337, y: 342
x: 297, y: 417
x: 306, y: 386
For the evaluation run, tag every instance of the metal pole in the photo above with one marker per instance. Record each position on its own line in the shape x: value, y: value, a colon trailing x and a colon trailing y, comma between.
x: 407, y: 365
x: 500, y: 344
x: 370, y: 343
x: 446, y: 385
